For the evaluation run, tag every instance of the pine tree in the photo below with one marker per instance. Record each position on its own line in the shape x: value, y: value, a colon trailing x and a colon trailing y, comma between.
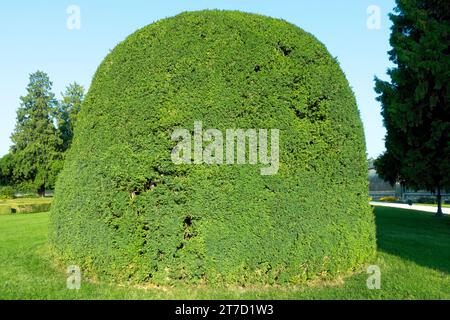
x: 36, y: 144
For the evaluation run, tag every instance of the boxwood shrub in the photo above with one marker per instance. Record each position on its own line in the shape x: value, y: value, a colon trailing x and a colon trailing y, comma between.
x: 124, y: 211
x: 32, y: 208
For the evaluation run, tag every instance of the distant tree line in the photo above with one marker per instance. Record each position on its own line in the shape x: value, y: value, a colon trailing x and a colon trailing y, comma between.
x: 43, y: 133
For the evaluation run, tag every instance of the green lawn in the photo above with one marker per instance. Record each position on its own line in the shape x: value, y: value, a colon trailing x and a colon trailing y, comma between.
x: 414, y: 257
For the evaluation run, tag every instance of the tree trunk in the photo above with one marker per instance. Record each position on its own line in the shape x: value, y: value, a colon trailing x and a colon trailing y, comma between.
x: 41, y: 191
x: 439, y: 201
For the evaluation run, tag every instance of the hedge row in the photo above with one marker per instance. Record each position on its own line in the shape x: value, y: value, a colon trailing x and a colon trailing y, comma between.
x: 24, y: 208
x: 32, y: 208
x: 124, y: 211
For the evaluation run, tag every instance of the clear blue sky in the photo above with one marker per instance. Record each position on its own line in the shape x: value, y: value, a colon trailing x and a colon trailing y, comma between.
x: 34, y: 36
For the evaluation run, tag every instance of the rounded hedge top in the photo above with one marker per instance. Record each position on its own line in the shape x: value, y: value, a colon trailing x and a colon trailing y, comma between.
x: 124, y: 210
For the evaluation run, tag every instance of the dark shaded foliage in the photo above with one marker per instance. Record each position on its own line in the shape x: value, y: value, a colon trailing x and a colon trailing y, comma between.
x: 415, y: 102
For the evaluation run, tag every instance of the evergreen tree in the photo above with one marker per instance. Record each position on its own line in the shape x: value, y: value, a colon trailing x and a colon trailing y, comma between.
x: 68, y: 110
x: 36, y: 144
x: 415, y: 103
x: 6, y: 170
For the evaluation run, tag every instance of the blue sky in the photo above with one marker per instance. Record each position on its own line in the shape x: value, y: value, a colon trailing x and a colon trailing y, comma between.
x: 34, y: 36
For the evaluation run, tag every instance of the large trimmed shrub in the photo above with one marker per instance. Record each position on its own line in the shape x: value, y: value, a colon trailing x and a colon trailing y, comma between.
x: 123, y: 210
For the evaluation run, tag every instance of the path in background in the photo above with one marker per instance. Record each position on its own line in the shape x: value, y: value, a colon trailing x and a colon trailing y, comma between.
x: 406, y: 206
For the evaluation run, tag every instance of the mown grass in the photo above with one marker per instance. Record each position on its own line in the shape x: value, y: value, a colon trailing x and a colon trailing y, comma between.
x: 413, y: 254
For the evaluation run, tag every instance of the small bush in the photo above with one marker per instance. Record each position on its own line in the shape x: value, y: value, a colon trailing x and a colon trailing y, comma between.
x: 5, y: 209
x: 388, y: 199
x: 6, y: 192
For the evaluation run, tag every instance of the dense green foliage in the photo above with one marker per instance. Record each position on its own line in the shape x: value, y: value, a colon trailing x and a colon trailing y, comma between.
x: 6, y: 192
x: 6, y: 170
x: 416, y: 107
x: 413, y: 254
x: 68, y: 110
x: 35, y: 139
x: 43, y: 133
x: 123, y: 210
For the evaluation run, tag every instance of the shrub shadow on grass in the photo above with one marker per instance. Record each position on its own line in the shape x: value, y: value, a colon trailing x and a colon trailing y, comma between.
x: 416, y: 236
